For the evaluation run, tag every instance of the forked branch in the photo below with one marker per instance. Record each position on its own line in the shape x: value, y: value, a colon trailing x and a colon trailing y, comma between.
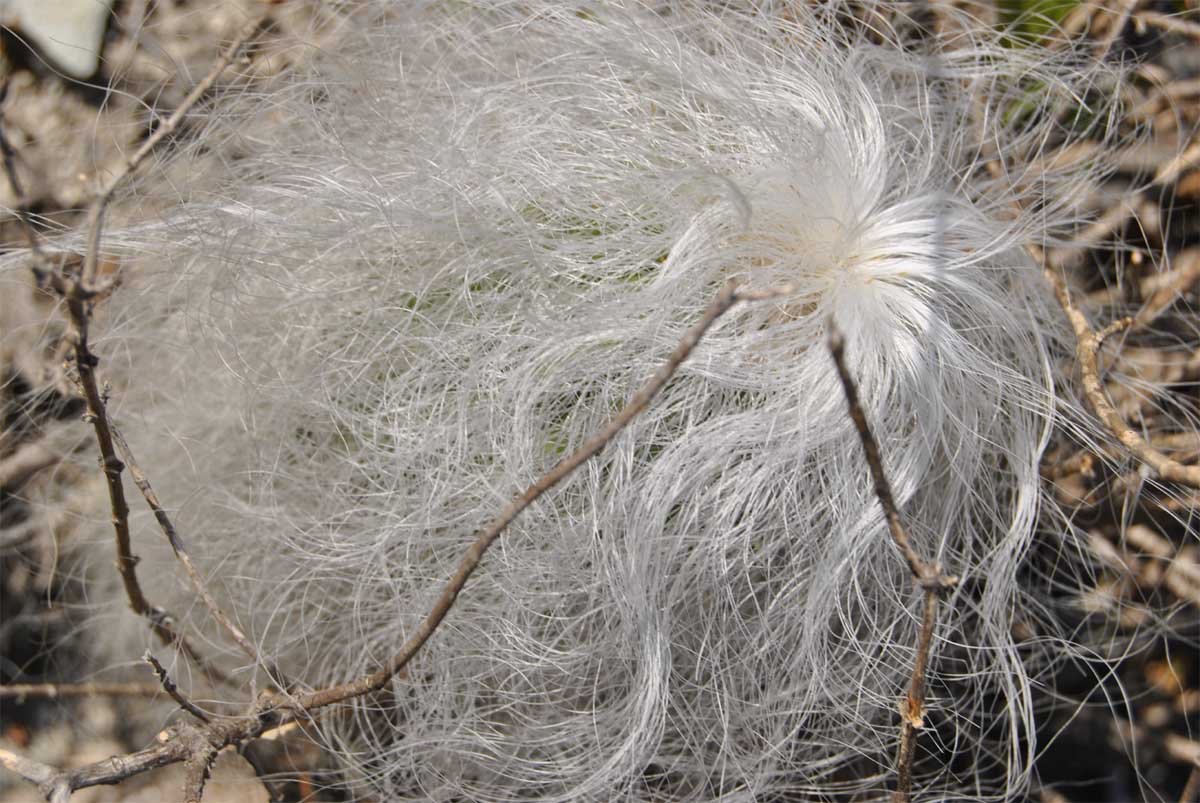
x: 78, y: 289
x: 197, y: 746
x: 198, y: 585
x: 929, y: 575
x: 725, y: 300
x: 1087, y: 348
x: 167, y: 127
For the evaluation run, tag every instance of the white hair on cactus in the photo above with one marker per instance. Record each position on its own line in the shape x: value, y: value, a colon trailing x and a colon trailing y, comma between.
x: 473, y: 236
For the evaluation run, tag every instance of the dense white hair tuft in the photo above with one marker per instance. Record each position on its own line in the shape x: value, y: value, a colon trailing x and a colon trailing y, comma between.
x: 473, y: 232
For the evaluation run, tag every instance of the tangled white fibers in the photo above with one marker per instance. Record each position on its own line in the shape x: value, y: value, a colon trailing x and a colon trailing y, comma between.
x: 468, y: 235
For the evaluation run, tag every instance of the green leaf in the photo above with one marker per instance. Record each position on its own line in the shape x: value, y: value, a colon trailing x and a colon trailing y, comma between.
x: 1030, y: 20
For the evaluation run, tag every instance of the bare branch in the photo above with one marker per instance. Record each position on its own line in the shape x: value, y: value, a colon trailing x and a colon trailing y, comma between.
x: 198, y: 745
x: 176, y: 744
x: 928, y: 575
x: 95, y: 218
x: 724, y: 301
x: 171, y: 689
x: 77, y: 292
x: 56, y: 690
x: 1087, y: 347
x: 1167, y: 23
x: 159, y: 620
x: 198, y: 748
x: 9, y: 154
x: 164, y: 523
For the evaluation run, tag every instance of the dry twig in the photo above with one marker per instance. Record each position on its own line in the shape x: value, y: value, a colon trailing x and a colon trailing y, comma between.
x: 1167, y: 22
x: 164, y: 522
x: 724, y: 301
x: 197, y: 746
x: 55, y: 690
x: 78, y: 291
x: 196, y: 771
x: 1087, y: 347
x: 929, y: 576
x: 96, y: 210
x: 172, y: 690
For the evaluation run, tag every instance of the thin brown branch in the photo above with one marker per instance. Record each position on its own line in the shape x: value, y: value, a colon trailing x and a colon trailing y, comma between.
x: 56, y: 690
x: 160, y: 622
x: 929, y: 576
x: 167, y: 127
x: 9, y: 155
x: 196, y: 746
x: 1087, y: 348
x: 77, y: 292
x: 168, y: 685
x: 176, y: 744
x: 1116, y: 327
x: 168, y: 528
x: 182, y: 743
x: 24, y: 463
x: 1168, y: 23
x: 1160, y: 290
x: 186, y: 742
x: 1137, y: 203
x: 724, y: 301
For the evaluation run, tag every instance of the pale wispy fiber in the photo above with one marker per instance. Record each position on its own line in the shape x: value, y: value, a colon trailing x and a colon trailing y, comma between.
x: 462, y: 238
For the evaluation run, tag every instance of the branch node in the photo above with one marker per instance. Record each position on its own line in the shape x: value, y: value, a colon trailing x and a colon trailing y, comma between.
x: 928, y: 574
x: 936, y: 580
x: 1119, y: 325
x: 1087, y: 346
x: 913, y: 712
